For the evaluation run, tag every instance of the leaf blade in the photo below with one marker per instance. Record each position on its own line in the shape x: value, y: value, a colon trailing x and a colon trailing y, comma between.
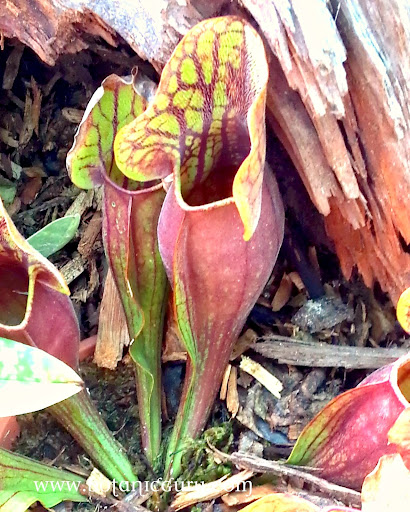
x: 22, y: 390
x: 19, y: 476
x: 55, y: 235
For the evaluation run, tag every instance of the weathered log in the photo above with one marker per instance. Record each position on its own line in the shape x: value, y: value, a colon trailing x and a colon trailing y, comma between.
x: 338, y: 99
x: 55, y: 27
x: 347, y: 128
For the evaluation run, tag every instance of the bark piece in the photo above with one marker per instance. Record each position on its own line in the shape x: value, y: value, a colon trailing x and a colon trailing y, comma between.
x: 53, y: 28
x: 311, y: 354
x: 112, y: 331
x: 338, y: 100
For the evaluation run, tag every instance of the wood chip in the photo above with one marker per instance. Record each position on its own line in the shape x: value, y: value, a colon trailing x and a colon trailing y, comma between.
x: 74, y: 115
x: 112, y: 330
x: 245, y: 341
x: 261, y: 374
x: 232, y: 397
x: 74, y: 268
x: 312, y: 253
x: 36, y: 107
x: 224, y: 385
x: 12, y: 66
x: 297, y: 280
x: 51, y: 83
x: 7, y: 138
x: 28, y: 121
x: 16, y: 100
x: 98, y: 483
x: 82, y: 202
x: 210, y: 491
x: 282, y: 294
x: 294, y: 432
x: 94, y: 279
x: 89, y: 236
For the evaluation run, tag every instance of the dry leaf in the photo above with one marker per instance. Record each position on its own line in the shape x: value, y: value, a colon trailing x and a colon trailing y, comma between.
x: 31, y: 189
x: 282, y: 294
x: 280, y: 502
x: 387, y: 487
x: 243, y: 497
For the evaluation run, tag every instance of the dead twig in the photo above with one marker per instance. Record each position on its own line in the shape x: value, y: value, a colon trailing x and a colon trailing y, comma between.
x: 305, y: 353
x: 259, y: 465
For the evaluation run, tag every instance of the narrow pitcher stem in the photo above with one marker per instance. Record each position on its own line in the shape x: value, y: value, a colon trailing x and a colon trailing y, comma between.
x: 80, y: 417
x: 179, y: 437
x: 149, y: 410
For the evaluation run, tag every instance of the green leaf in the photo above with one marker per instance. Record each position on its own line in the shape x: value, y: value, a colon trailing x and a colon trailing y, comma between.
x: 112, y: 106
x: 7, y: 190
x: 55, y: 235
x: 31, y: 379
x: 25, y: 481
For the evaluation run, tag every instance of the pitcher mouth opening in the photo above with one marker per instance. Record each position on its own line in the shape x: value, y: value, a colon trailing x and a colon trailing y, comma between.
x: 214, y: 183
x: 14, y: 290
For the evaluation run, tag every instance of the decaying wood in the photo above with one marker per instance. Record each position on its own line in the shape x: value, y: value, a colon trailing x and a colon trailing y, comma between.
x: 73, y: 268
x: 314, y: 354
x: 55, y: 27
x: 89, y: 236
x: 112, y: 328
x: 338, y: 99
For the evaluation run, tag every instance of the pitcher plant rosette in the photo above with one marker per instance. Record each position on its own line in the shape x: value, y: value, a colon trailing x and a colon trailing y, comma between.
x: 221, y: 224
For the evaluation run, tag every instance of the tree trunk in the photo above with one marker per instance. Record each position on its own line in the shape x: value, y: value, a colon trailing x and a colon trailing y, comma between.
x: 338, y: 99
